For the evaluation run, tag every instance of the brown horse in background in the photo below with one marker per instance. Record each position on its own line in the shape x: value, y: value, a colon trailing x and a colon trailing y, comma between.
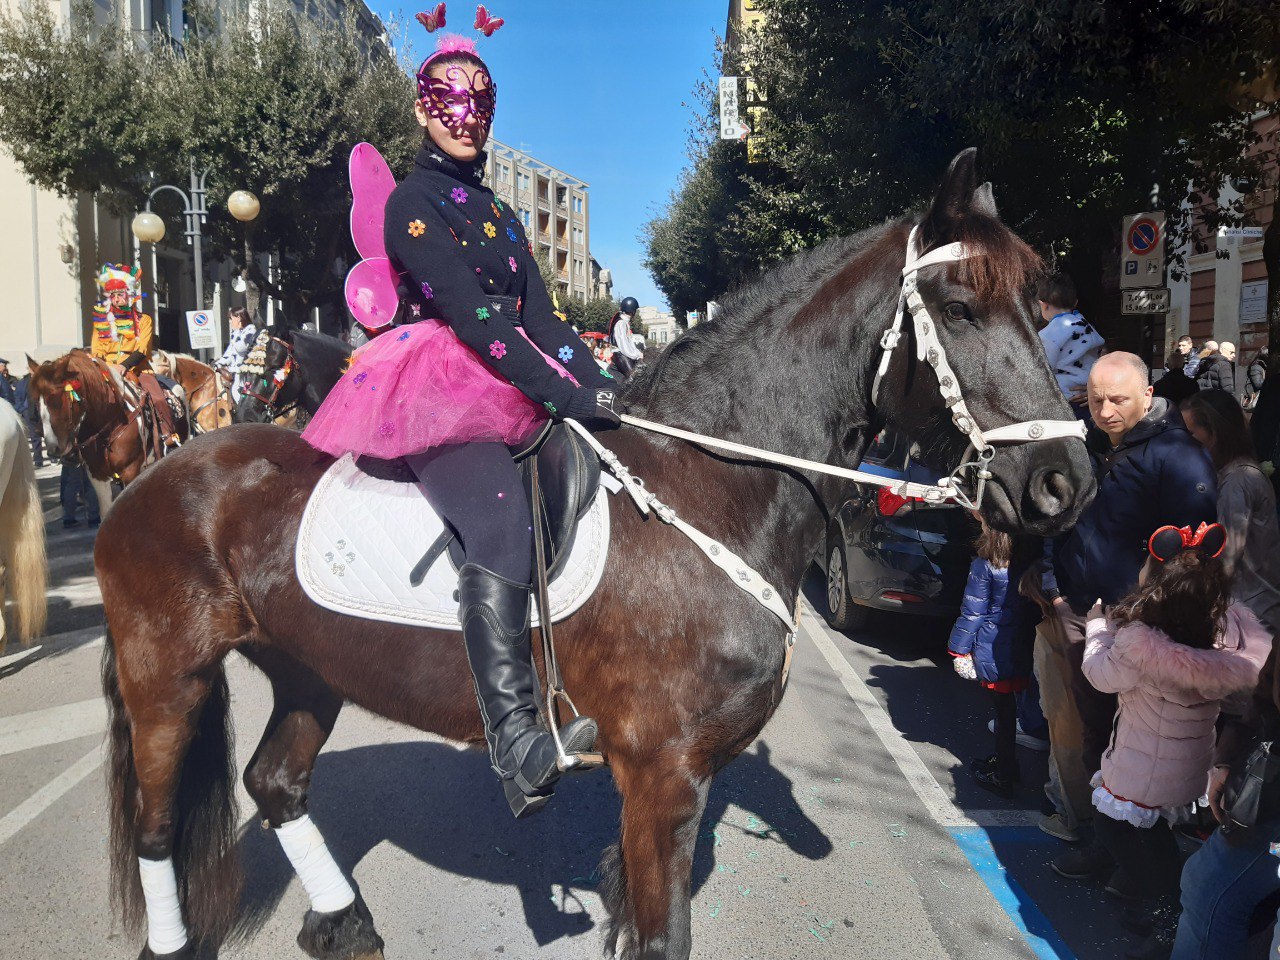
x: 196, y: 561
x: 208, y: 396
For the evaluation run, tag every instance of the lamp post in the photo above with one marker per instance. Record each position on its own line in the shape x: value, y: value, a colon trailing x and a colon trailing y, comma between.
x: 149, y: 227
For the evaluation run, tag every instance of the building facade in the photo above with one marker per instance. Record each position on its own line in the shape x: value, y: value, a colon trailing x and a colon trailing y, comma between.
x: 659, y: 326
x: 1224, y: 294
x: 555, y: 209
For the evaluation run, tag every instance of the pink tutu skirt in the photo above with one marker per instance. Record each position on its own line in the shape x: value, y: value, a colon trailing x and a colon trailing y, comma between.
x: 409, y: 391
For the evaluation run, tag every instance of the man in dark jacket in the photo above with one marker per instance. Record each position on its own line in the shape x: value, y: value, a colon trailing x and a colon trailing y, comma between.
x: 1218, y: 370
x: 1255, y: 377
x: 1150, y: 472
x: 30, y: 411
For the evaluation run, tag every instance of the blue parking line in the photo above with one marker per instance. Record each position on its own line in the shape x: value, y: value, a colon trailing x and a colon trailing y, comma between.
x: 975, y: 844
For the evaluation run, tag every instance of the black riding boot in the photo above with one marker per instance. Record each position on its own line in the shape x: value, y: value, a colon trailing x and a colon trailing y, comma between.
x: 495, y: 626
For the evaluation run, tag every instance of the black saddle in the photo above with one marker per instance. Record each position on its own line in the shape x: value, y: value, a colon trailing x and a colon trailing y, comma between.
x: 568, y: 477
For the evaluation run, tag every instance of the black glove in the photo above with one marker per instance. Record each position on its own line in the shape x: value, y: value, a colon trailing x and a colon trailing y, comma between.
x: 596, y: 407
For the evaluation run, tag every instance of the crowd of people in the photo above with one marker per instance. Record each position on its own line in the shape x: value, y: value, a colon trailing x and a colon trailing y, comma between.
x: 1137, y: 647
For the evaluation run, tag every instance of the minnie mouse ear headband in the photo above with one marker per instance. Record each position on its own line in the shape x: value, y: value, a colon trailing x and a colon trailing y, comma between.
x: 1169, y: 541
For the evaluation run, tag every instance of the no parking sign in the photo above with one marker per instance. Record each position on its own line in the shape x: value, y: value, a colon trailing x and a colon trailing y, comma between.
x: 201, y: 329
x: 1142, y: 251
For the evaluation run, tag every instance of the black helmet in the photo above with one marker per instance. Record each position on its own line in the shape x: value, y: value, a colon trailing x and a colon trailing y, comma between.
x: 629, y: 305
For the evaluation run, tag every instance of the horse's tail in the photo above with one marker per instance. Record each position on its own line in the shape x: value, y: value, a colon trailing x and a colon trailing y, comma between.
x: 22, y: 541
x: 204, y: 814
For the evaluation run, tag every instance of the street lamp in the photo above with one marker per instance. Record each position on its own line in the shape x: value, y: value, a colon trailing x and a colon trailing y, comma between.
x: 149, y: 228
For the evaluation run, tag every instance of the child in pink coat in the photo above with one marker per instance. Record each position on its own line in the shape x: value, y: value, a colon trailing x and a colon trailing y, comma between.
x: 1172, y: 651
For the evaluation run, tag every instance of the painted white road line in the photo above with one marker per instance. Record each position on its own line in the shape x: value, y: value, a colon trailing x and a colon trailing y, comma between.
x: 87, y: 638
x: 41, y: 728
x: 936, y: 800
x: 48, y: 795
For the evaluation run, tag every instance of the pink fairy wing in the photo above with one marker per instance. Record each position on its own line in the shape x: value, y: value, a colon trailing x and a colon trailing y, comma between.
x: 371, y: 292
x: 371, y: 185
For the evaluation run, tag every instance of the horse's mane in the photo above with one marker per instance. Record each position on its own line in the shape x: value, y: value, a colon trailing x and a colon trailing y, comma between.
x: 94, y: 388
x: 776, y: 296
x: 773, y: 297
x: 1007, y: 266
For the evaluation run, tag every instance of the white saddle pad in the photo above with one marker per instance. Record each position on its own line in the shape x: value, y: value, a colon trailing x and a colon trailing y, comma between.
x: 361, y: 537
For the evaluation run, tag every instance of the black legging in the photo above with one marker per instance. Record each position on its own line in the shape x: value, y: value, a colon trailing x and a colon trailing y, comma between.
x: 1148, y: 855
x: 476, y: 489
x: 1006, y: 710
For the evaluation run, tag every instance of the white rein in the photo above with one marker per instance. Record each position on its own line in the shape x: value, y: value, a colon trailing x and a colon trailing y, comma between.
x: 929, y: 349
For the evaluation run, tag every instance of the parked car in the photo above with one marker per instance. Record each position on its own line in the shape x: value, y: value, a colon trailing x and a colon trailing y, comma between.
x: 887, y: 552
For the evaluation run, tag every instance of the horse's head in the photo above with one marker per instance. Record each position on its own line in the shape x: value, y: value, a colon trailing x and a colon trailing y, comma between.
x: 979, y: 309
x: 269, y: 384
x: 59, y: 391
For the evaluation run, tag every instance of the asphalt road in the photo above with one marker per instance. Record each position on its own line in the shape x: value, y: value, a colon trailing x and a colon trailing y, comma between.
x: 850, y: 829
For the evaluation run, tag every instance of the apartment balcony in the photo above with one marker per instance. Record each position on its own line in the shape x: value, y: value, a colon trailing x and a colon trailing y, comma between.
x: 543, y: 205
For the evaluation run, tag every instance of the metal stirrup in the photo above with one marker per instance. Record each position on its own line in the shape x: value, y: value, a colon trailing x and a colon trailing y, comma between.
x: 555, y: 685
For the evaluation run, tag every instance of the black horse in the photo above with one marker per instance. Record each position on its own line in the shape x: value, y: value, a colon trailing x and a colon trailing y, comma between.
x: 193, y: 568
x: 299, y: 370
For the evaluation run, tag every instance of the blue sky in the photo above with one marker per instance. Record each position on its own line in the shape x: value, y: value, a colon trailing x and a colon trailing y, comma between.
x: 597, y: 89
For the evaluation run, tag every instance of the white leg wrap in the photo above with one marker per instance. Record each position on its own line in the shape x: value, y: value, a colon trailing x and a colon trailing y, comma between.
x: 166, y: 932
x: 320, y: 876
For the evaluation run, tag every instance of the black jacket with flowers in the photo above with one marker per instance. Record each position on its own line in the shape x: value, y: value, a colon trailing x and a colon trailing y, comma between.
x: 456, y: 247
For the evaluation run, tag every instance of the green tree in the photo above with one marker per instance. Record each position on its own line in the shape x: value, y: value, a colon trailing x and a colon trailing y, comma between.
x: 272, y: 102
x: 592, y: 315
x: 1081, y: 110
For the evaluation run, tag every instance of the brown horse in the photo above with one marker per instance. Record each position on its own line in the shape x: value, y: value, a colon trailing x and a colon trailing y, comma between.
x: 679, y: 688
x: 208, y: 397
x: 84, y: 414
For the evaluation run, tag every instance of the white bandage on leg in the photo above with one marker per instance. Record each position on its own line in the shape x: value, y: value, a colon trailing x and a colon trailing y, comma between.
x: 166, y: 933
x: 320, y: 876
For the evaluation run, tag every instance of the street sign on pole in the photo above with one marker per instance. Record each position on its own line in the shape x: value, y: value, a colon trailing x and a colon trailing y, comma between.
x: 1142, y: 250
x: 1145, y: 301
x: 200, y: 327
x: 731, y: 125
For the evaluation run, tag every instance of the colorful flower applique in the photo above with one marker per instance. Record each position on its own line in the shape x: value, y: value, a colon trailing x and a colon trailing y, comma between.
x: 482, y: 314
x: 565, y: 354
x: 500, y: 206
x: 415, y: 309
x: 551, y: 407
x: 403, y: 337
x: 417, y: 228
x: 512, y: 261
x: 497, y: 349
x: 490, y: 230
x: 511, y: 235
x: 427, y: 292
x: 386, y: 428
x: 494, y: 207
x: 530, y: 247
x: 360, y: 378
x: 606, y: 373
x: 459, y: 195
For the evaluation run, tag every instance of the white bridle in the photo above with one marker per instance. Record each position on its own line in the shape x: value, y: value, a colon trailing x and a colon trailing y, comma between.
x: 929, y: 349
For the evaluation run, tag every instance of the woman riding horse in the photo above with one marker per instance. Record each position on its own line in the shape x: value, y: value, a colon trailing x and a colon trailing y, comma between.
x: 450, y: 393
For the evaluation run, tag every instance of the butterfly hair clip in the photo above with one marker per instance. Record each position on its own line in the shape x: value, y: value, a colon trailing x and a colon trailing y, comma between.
x: 1169, y: 541
x: 486, y: 24
x: 432, y: 21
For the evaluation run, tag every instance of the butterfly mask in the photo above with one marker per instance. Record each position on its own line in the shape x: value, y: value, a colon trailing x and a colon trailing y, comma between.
x: 459, y: 97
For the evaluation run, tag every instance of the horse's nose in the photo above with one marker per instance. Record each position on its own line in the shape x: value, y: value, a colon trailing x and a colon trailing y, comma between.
x: 1052, y: 492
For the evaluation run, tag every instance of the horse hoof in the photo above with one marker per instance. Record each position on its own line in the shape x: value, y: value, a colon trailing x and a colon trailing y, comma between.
x: 186, y: 953
x: 346, y: 934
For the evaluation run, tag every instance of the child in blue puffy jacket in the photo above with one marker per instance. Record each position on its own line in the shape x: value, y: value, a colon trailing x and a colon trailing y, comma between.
x: 992, y: 643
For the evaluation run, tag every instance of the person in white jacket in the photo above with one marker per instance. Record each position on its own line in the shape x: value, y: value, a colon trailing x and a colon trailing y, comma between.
x: 1072, y: 345
x: 243, y: 334
x: 628, y: 355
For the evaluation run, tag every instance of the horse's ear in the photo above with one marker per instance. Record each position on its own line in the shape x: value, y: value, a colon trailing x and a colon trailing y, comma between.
x: 956, y: 195
x: 984, y: 201
x: 35, y: 367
